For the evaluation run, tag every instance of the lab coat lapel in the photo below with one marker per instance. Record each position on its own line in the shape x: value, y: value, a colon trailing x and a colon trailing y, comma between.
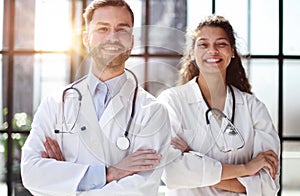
x: 93, y: 136
x: 118, y: 103
x: 90, y: 134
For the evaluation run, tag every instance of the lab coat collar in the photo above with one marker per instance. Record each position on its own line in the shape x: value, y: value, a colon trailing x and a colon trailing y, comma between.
x: 118, y: 102
x: 196, y: 96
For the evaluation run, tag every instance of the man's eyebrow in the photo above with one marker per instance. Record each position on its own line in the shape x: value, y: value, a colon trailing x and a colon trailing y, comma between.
x: 119, y: 25
x: 220, y: 38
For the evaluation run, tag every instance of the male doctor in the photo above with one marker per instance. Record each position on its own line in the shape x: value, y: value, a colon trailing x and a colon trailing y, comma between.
x: 73, y: 147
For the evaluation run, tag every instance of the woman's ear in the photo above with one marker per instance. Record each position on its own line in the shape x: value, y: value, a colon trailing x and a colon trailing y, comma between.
x: 191, y: 53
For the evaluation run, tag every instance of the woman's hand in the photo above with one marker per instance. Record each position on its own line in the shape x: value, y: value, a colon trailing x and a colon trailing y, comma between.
x: 180, y: 144
x: 268, y: 159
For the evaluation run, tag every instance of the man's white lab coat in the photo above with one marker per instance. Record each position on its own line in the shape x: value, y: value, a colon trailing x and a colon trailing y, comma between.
x: 93, y: 143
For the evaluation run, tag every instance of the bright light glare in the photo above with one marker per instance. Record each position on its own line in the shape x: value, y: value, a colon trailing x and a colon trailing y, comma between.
x: 53, y: 25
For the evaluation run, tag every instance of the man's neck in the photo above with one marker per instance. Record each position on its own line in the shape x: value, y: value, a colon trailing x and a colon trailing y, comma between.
x: 109, y: 73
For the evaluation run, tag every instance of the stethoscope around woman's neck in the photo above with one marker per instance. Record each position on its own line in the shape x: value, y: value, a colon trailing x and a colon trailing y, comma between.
x: 233, y: 103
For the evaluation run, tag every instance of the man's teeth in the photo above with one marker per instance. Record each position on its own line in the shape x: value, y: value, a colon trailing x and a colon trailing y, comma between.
x: 112, y: 48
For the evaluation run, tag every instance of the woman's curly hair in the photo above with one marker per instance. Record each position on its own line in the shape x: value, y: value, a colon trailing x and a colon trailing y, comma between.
x: 235, y: 73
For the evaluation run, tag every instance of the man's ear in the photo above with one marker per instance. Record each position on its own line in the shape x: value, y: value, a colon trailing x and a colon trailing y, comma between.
x: 132, y: 41
x: 85, y: 39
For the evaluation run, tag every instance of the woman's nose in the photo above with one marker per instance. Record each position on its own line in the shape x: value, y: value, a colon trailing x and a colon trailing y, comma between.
x: 212, y: 51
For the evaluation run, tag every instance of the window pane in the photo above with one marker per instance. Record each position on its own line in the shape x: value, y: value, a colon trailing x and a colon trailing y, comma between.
x: 137, y: 65
x: 291, y: 98
x: 51, y: 72
x: 22, y: 84
x: 290, y: 163
x: 3, y: 187
x: 52, y: 33
x: 237, y: 18
x: 1, y: 23
x: 197, y: 9
x: 162, y: 74
x: 264, y: 27
x: 137, y: 8
x: 168, y: 24
x: 263, y: 76
x: 24, y: 24
x: 1, y: 95
x: 291, y: 28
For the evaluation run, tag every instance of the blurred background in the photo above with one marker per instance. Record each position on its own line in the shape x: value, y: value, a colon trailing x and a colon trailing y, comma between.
x: 41, y: 50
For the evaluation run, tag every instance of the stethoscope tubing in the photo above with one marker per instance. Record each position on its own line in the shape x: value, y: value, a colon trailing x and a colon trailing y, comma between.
x: 72, y: 87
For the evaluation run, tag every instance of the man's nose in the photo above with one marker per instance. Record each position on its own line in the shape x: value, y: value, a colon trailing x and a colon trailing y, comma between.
x: 113, y: 36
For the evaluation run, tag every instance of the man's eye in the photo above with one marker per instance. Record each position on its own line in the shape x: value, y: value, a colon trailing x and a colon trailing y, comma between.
x: 123, y: 31
x: 102, y: 29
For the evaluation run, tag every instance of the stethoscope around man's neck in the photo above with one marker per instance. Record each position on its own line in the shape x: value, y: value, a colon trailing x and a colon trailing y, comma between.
x: 123, y: 142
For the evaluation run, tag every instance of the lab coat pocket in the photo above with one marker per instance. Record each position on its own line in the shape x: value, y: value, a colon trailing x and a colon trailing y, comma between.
x: 70, y: 145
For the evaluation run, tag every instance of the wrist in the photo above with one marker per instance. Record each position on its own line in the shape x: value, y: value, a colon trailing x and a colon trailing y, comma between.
x: 242, y: 170
x: 110, y: 174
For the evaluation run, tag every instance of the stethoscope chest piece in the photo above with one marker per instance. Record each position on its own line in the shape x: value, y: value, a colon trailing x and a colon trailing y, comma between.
x: 123, y: 143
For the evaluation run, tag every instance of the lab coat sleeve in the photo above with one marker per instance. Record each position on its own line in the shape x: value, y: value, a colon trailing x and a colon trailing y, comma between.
x: 186, y: 170
x: 265, y: 138
x: 47, y: 176
x: 154, y: 134
x: 190, y: 170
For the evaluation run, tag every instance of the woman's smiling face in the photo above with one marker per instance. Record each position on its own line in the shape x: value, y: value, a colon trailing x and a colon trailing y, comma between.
x: 212, y: 50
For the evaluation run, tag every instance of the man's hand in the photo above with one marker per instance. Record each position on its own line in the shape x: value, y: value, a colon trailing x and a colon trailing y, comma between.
x: 52, y: 150
x: 139, y: 161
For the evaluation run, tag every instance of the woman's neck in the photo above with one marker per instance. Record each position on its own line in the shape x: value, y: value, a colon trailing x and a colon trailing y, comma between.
x: 213, y: 90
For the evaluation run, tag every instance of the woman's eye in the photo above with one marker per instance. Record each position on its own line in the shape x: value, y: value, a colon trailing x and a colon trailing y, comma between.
x: 202, y: 45
x: 222, y: 44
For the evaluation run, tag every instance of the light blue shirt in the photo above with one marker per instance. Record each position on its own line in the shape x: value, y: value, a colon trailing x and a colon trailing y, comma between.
x: 102, y: 92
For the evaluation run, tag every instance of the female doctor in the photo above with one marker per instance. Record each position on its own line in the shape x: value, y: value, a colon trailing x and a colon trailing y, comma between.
x: 224, y: 142
x: 103, y: 135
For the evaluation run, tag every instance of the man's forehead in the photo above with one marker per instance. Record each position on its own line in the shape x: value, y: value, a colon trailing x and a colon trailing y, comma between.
x: 114, y: 16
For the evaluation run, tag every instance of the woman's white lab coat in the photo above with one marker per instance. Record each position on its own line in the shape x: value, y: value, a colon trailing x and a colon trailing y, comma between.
x: 94, y: 143
x: 194, y: 173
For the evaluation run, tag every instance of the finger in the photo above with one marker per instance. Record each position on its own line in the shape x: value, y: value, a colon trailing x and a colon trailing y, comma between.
x: 153, y: 160
x: 53, y: 149
x: 140, y: 152
x: 177, y: 143
x: 48, y: 149
x: 147, y: 157
x: 272, y: 169
x: 44, y: 154
x: 141, y: 168
x: 273, y: 154
x: 57, y: 150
